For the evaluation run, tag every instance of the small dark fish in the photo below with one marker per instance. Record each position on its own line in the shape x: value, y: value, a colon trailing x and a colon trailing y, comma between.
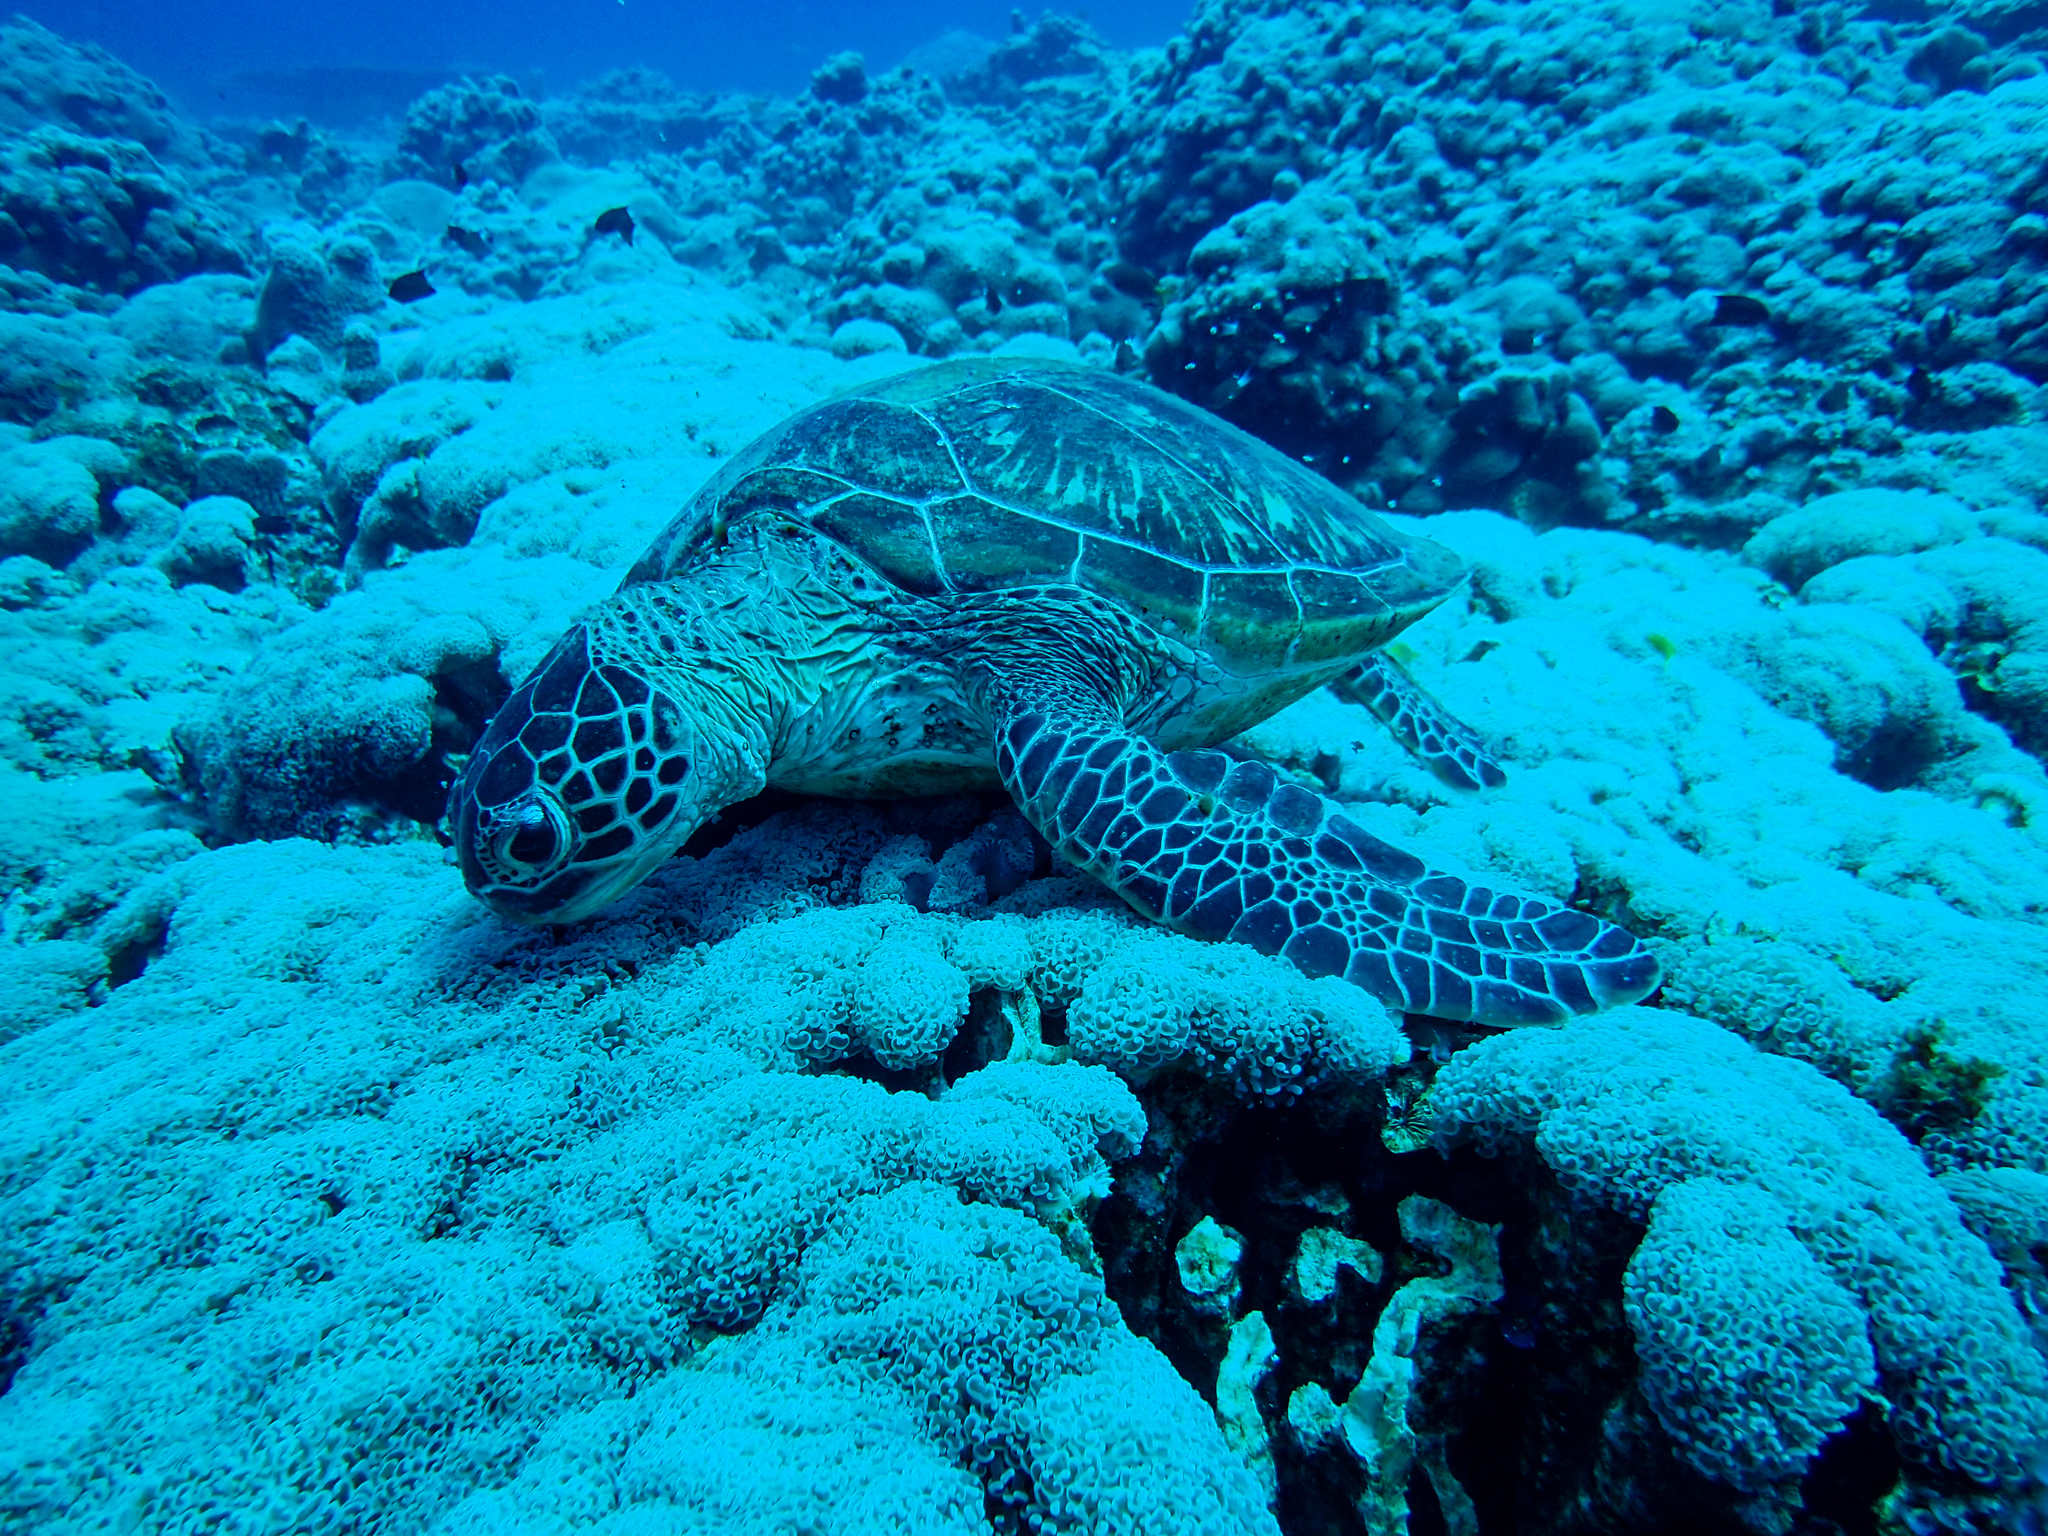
x: 461, y: 175
x: 1835, y: 397
x: 1664, y: 419
x: 1128, y: 278
x: 1739, y: 309
x: 474, y: 241
x: 614, y: 221
x: 410, y: 287
x: 995, y: 300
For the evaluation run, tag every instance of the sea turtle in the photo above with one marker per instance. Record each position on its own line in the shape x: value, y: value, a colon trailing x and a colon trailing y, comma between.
x: 1047, y: 577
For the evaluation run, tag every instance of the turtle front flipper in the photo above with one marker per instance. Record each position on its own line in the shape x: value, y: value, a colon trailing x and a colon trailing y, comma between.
x: 1448, y: 747
x: 1220, y: 849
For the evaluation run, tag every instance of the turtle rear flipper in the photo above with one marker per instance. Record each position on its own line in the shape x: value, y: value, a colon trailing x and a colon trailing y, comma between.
x: 1447, y: 746
x: 1220, y: 849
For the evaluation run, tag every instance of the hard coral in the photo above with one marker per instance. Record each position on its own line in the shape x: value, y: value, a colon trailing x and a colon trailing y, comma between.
x: 476, y: 129
x: 1626, y: 1107
x: 1155, y: 999
x: 49, y: 494
x: 46, y: 80
x: 1749, y: 1391
x: 355, y: 706
x: 1288, y: 310
x: 100, y: 213
x: 880, y: 982
x: 525, y: 1262
x: 314, y: 293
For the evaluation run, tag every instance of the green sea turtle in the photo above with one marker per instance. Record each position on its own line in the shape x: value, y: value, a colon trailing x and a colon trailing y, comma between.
x: 1045, y: 577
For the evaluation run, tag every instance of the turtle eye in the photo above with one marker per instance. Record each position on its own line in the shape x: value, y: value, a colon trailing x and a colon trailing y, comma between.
x: 531, y: 846
x: 532, y: 843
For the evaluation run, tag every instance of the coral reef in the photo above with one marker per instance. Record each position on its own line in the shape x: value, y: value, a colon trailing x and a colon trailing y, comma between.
x: 1283, y: 303
x: 863, y: 1168
x: 705, y: 1179
x: 314, y: 294
x: 1560, y: 203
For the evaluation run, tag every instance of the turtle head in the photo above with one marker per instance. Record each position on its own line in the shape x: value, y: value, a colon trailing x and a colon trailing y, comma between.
x: 578, y: 789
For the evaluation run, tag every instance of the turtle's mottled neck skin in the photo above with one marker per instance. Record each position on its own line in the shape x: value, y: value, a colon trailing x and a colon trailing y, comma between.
x: 855, y: 690
x: 755, y: 636
x: 1056, y: 581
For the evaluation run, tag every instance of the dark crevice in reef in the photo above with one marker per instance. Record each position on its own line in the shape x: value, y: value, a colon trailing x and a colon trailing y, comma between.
x: 14, y: 1337
x: 129, y: 960
x: 466, y: 696
x: 1856, y: 1467
x: 1533, y: 1400
x: 741, y: 817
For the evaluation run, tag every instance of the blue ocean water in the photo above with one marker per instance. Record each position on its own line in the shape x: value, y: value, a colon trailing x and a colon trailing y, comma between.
x: 238, y: 55
x: 1260, y: 768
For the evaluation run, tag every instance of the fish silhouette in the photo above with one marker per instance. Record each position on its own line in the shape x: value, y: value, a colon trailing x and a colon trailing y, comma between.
x: 410, y: 287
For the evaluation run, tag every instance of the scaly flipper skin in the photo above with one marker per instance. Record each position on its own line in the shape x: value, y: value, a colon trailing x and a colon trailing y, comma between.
x: 1447, y: 746
x: 1222, y: 850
